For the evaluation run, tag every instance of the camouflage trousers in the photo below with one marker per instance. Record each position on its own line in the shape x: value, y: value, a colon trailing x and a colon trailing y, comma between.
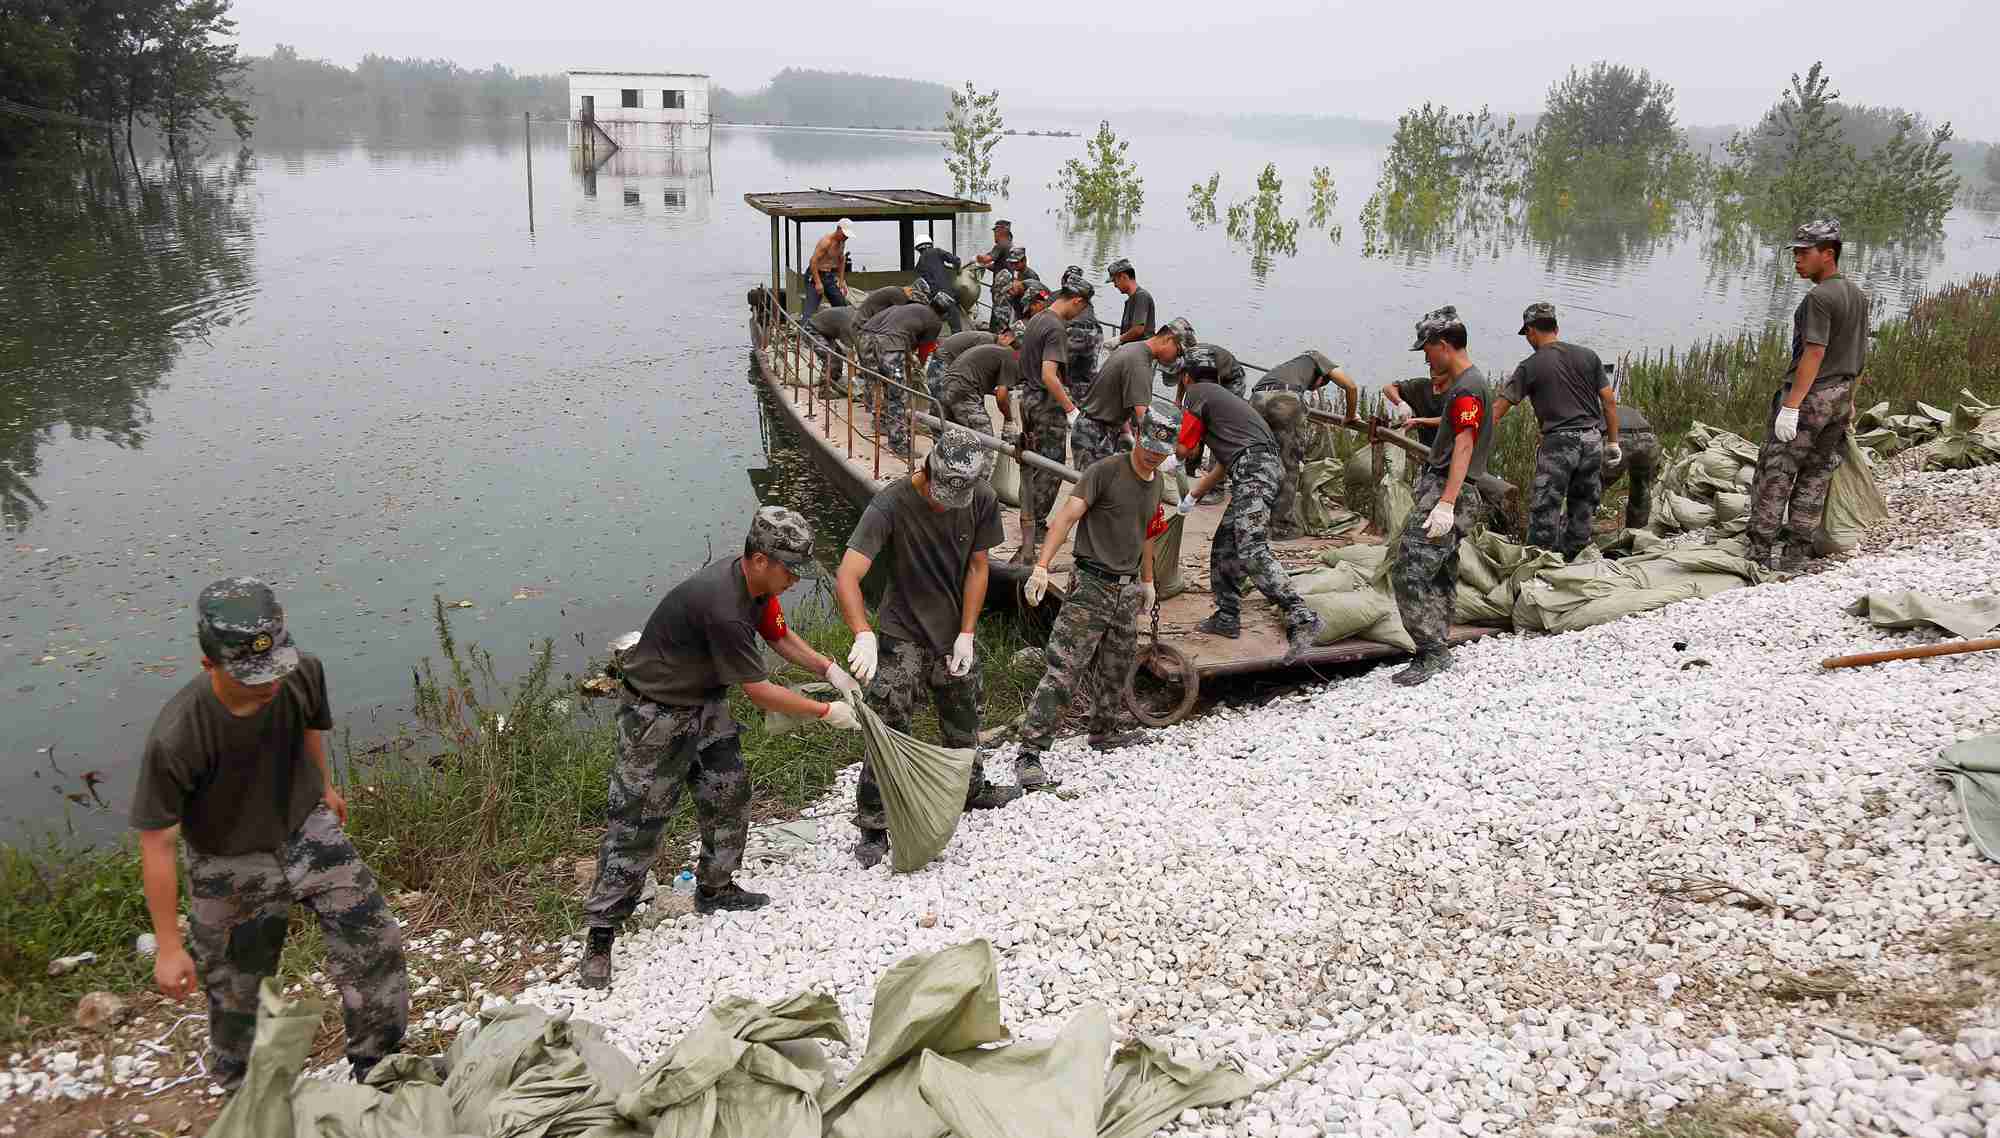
x: 1095, y: 641
x: 1285, y: 413
x: 1424, y: 569
x: 1569, y: 471
x: 1241, y: 550
x: 1094, y: 439
x: 903, y: 667
x: 1044, y: 430
x: 238, y: 909
x: 889, y: 402
x: 661, y: 751
x: 1641, y: 459
x: 1078, y: 372
x: 959, y: 400
x: 1788, y: 497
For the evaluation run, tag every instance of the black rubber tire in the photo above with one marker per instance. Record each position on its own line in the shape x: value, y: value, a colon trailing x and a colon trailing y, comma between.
x: 1174, y: 662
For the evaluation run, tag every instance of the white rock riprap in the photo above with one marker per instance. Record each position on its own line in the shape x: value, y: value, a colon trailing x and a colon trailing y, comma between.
x: 1449, y: 886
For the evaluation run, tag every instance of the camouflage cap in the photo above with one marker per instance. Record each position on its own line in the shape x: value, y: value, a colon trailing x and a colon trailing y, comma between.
x: 1182, y: 330
x: 1819, y: 231
x: 1035, y: 296
x: 922, y: 288
x: 1077, y: 288
x: 1434, y: 324
x: 1018, y: 255
x: 1159, y: 434
x: 1016, y: 329
x: 1198, y: 364
x: 1540, y: 310
x: 1121, y: 265
x: 956, y: 466
x: 1073, y: 277
x: 241, y: 626
x: 782, y: 535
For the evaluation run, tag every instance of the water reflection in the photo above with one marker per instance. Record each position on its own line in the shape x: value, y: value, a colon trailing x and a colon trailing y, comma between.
x: 104, y: 278
x: 676, y: 182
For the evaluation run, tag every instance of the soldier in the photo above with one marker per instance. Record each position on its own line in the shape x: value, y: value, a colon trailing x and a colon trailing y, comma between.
x: 1640, y: 454
x: 1230, y: 375
x: 891, y: 296
x: 886, y: 342
x: 1577, y: 410
x: 833, y: 333
x: 1115, y: 409
x: 1003, y: 241
x: 1424, y: 566
x: 959, y: 343
x: 675, y: 730
x: 826, y: 273
x: 961, y: 391
x: 1809, y: 417
x: 1136, y: 322
x: 1081, y: 336
x: 236, y: 765
x: 1413, y: 403
x: 1280, y: 398
x: 1117, y: 516
x: 1047, y: 412
x: 1001, y: 290
x: 939, y: 268
x: 1247, y: 453
x: 1033, y: 299
x: 936, y: 526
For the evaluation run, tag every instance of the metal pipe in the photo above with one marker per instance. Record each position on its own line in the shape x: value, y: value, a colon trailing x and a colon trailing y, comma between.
x: 1001, y: 446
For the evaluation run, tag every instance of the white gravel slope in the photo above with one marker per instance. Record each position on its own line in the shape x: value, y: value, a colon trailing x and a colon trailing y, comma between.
x: 1450, y: 882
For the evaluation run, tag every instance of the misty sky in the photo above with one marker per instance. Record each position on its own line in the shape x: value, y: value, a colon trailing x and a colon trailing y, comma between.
x: 1727, y: 59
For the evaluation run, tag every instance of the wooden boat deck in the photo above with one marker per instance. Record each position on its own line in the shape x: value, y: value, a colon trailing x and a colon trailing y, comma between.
x: 842, y: 448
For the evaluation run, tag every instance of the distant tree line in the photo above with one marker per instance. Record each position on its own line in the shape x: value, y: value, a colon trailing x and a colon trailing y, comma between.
x: 802, y: 97
x: 286, y: 86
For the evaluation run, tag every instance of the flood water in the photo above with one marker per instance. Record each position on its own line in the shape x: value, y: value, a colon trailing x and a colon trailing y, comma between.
x: 349, y: 368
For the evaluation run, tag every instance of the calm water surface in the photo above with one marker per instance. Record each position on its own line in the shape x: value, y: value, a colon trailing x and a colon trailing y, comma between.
x: 350, y: 369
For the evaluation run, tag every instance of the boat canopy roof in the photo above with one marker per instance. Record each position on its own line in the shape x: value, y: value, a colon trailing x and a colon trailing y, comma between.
x: 862, y: 205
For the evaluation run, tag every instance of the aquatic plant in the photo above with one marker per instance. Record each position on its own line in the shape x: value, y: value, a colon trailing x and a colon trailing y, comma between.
x: 1201, y: 201
x: 973, y: 127
x: 1104, y: 185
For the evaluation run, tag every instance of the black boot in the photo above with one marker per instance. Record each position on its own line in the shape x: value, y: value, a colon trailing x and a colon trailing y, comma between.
x: 595, y: 971
x: 1427, y: 664
x: 1220, y: 623
x: 731, y: 897
x: 872, y: 848
x: 984, y: 795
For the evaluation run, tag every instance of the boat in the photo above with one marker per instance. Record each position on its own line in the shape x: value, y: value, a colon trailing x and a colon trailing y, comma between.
x: 840, y: 434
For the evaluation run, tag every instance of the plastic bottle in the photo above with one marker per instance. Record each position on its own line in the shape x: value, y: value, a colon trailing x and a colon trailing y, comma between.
x: 684, y: 882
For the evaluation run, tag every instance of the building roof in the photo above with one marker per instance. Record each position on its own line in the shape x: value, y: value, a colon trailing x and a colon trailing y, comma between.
x: 861, y: 205
x: 657, y: 74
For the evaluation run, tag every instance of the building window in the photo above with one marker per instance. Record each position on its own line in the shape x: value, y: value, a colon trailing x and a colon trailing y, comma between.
x: 674, y: 100
x: 629, y: 97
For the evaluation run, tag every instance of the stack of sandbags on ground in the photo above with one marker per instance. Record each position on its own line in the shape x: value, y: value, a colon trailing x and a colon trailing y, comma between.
x: 1595, y: 590
x: 746, y: 1070
x: 1884, y: 434
x: 1709, y: 486
x: 1352, y: 602
x: 1967, y: 443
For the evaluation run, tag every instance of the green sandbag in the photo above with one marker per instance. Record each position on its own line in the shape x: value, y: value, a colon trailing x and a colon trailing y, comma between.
x: 780, y: 722
x: 1853, y: 503
x: 1908, y: 608
x: 893, y: 1105
x: 1474, y: 607
x: 1330, y: 579
x: 1612, y: 606
x: 486, y: 1059
x: 1168, y: 581
x: 1006, y: 478
x: 923, y: 789
x: 262, y: 1106
x: 1963, y: 452
x: 556, y: 1098
x: 734, y: 1074
x: 1147, y: 1087
x: 1365, y: 557
x: 1973, y: 766
x: 966, y: 286
x: 1730, y: 506
x: 1319, y: 505
x: 1062, y: 1100
x: 945, y: 1001
x: 403, y: 1097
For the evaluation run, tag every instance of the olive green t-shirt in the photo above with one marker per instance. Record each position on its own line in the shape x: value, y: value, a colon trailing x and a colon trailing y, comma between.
x: 1124, y: 382
x: 1117, y: 507
x: 1561, y: 381
x: 234, y: 785
x: 930, y: 552
x: 703, y: 638
x: 988, y: 366
x: 959, y: 343
x: 881, y: 300
x: 1834, y: 314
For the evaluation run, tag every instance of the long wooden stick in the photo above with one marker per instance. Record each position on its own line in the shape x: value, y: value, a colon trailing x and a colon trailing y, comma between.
x: 1951, y: 648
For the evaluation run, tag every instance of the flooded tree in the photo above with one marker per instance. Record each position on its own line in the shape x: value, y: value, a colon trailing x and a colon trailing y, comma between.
x: 975, y: 128
x: 1201, y: 201
x: 1104, y: 185
x: 1446, y: 176
x: 1260, y: 222
x: 1608, y: 145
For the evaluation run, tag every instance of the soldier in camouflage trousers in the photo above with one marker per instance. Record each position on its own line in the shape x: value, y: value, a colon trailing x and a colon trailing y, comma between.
x: 904, y: 669
x: 1002, y: 300
x: 1788, y: 498
x: 1093, y: 439
x: 1081, y: 337
x: 1285, y: 413
x: 959, y: 400
x: 1095, y: 642
x: 1569, y: 472
x: 891, y: 404
x: 1241, y: 551
x: 1045, y: 431
x: 1424, y: 570
x: 238, y: 911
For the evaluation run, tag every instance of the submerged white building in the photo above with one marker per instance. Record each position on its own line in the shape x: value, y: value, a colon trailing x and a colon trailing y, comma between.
x: 638, y: 109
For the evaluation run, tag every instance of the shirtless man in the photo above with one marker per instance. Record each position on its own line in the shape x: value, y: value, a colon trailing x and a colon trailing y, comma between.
x: 826, y: 273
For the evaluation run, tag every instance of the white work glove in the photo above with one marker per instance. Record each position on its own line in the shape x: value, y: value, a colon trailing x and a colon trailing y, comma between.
x: 1441, y: 517
x: 843, y: 683
x: 1186, y: 505
x: 961, y: 655
x: 840, y: 714
x: 1171, y: 464
x: 1614, y: 454
x: 1787, y: 427
x: 1075, y: 413
x: 862, y: 656
x: 1399, y: 413
x: 1147, y: 595
x: 1038, y: 585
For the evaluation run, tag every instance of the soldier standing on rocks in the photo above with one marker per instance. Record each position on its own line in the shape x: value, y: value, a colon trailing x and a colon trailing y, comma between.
x: 939, y: 268
x: 1115, y: 408
x: 1578, y: 413
x: 1117, y: 514
x: 1424, y: 565
x: 1412, y: 402
x: 1809, y: 415
x: 675, y: 731
x: 1047, y: 411
x: 826, y: 273
x: 1280, y: 398
x: 236, y: 765
x: 1247, y: 453
x: 1639, y: 454
x: 1136, y: 322
x: 1081, y: 336
x: 936, y: 526
x: 960, y: 393
x: 886, y: 342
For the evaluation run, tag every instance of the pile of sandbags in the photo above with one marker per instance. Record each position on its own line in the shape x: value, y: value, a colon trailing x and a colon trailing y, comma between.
x: 1965, y: 441
x: 1708, y: 486
x: 745, y: 1070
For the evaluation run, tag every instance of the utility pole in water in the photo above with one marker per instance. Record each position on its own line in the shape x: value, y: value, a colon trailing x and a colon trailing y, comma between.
x: 528, y: 147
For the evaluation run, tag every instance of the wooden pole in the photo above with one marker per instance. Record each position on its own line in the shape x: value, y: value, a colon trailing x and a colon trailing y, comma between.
x: 1952, y: 648
x: 528, y: 146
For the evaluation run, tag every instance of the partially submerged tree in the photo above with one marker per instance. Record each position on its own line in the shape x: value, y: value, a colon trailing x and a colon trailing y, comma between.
x: 1104, y: 186
x: 975, y: 128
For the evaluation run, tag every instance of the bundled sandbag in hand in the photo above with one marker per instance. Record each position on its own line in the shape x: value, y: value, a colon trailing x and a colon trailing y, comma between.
x: 923, y: 789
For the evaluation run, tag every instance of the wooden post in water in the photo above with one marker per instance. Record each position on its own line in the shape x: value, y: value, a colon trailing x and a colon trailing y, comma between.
x: 528, y: 145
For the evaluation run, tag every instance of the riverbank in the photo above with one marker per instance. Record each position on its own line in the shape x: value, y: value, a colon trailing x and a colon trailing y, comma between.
x: 1470, y: 901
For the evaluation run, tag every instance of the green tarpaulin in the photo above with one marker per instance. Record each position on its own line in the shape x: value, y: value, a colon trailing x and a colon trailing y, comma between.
x: 262, y: 1108
x: 1908, y: 608
x: 1973, y: 766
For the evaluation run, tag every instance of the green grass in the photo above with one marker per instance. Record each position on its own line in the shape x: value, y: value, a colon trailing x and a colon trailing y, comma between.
x: 486, y: 821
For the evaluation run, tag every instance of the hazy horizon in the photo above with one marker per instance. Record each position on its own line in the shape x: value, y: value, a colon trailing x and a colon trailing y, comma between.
x: 1727, y: 63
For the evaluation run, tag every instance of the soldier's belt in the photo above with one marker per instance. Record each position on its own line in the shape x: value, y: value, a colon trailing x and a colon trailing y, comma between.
x: 1093, y: 569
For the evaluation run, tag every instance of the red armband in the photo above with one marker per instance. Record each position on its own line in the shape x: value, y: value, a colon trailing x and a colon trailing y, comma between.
x: 1158, y: 524
x: 1190, y: 431
x: 924, y: 351
x: 772, y: 627
x: 1465, y: 414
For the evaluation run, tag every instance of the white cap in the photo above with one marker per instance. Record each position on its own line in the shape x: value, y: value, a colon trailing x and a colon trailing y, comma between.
x: 923, y: 239
x: 846, y: 227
